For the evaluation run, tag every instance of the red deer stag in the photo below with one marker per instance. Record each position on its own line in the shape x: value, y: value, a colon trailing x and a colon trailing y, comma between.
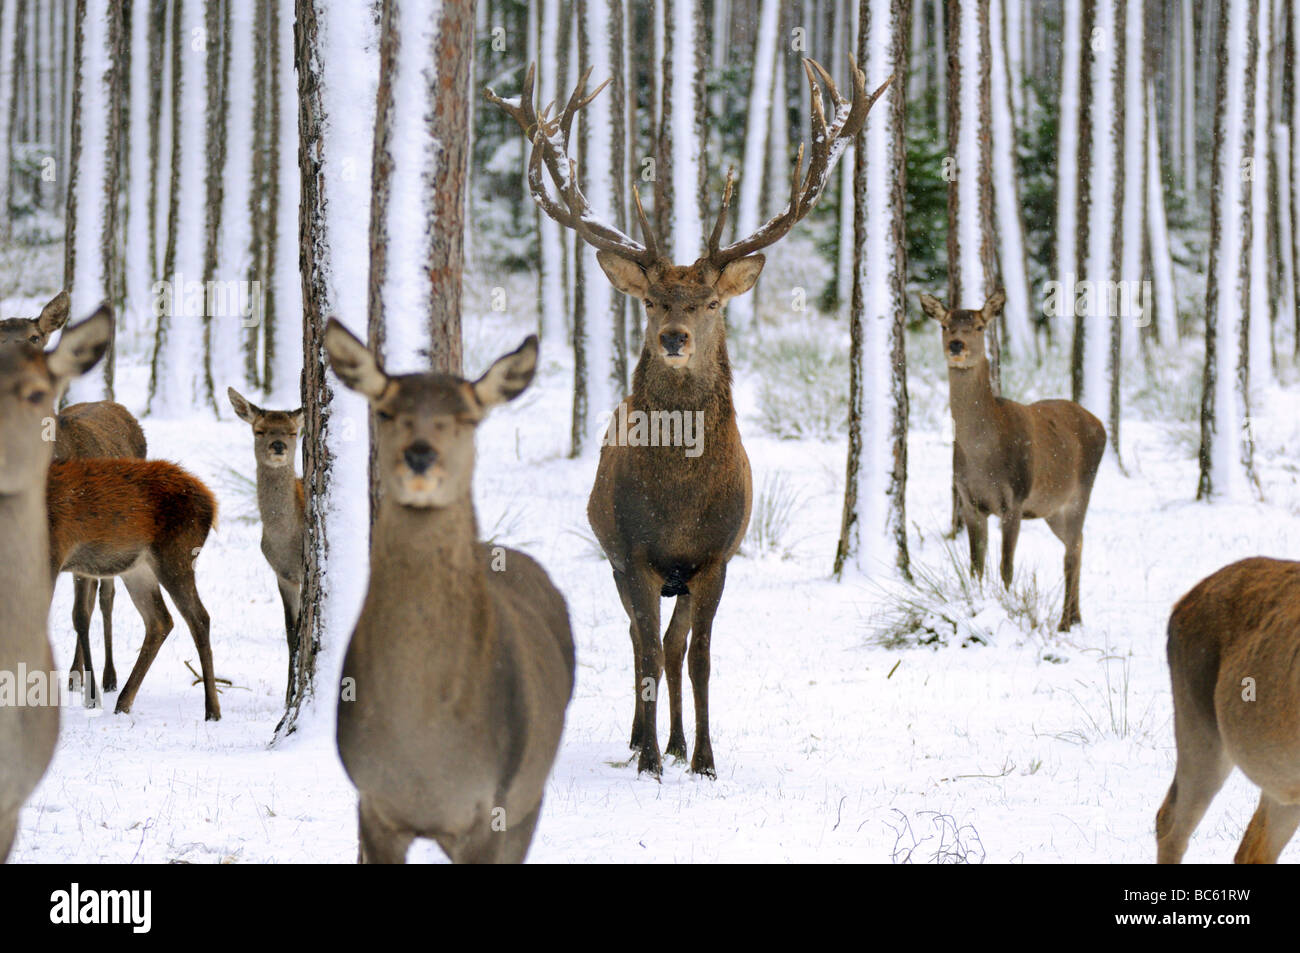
x: 670, y: 521
x: 143, y: 520
x: 1233, y: 645
x: 280, y: 503
x: 98, y: 428
x: 1015, y: 461
x: 30, y: 382
x: 462, y: 660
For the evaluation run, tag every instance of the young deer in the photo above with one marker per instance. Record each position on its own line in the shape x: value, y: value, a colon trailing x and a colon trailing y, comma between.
x: 1015, y: 461
x: 30, y: 381
x: 461, y: 673
x: 669, y: 522
x: 280, y: 503
x: 143, y: 520
x: 1232, y: 660
x: 98, y: 428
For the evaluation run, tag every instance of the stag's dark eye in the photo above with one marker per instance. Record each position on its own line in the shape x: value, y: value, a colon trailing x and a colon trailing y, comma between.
x: 38, y: 397
x: 384, y: 415
x: 713, y: 306
x: 34, y: 339
x: 649, y: 305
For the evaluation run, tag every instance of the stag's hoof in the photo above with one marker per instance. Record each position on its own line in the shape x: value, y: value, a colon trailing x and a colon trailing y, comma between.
x: 702, y: 763
x: 650, y: 763
x: 676, y: 747
x: 110, y: 681
x: 122, y: 708
x: 212, y: 714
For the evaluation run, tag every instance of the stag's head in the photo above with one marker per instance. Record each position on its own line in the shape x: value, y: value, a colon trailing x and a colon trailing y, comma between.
x: 963, y: 330
x: 426, y: 422
x: 683, y: 303
x: 30, y: 384
x: 36, y: 331
x: 275, y: 432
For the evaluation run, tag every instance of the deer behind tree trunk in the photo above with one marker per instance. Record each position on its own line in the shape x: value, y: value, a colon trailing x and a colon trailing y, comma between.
x: 281, y: 504
x: 461, y: 665
x: 1233, y: 646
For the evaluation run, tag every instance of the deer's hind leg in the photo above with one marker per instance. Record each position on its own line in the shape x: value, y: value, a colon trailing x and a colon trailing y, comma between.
x: 1010, y: 535
x: 107, y: 595
x: 977, y: 533
x: 674, y: 653
x: 142, y: 587
x: 1202, y: 767
x: 177, y: 577
x: 1269, y: 831
x: 1068, y: 527
x: 83, y: 607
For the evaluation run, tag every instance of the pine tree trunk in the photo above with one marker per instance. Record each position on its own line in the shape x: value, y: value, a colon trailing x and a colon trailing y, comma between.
x: 1227, y: 451
x: 740, y: 312
x: 8, y: 102
x: 90, y: 248
x: 873, y: 535
x: 333, y: 116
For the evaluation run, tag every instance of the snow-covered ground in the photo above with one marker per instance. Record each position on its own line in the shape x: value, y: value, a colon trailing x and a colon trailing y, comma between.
x: 829, y: 748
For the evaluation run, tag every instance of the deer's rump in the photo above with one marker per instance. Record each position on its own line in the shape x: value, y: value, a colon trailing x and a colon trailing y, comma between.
x: 98, y: 428
x: 1234, y: 657
x: 102, y: 512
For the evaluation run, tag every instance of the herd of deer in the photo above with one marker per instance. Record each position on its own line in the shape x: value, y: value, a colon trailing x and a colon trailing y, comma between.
x: 462, y: 673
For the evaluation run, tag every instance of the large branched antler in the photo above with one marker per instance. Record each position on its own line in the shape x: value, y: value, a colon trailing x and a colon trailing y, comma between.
x: 550, y: 139
x: 829, y: 142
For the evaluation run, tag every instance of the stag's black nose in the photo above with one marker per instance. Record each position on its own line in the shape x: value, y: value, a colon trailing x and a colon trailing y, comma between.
x: 955, y: 347
x: 673, y: 341
x: 420, y: 456
x: 278, y: 446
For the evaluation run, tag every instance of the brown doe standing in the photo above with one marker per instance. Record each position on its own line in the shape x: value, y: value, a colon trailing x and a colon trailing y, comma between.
x: 667, y: 522
x: 461, y: 664
x: 146, y: 521
x: 1234, y: 661
x: 1015, y: 461
x: 280, y: 503
x: 30, y: 382
x: 98, y: 428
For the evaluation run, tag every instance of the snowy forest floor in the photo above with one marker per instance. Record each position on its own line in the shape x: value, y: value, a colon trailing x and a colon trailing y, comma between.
x: 1034, y: 747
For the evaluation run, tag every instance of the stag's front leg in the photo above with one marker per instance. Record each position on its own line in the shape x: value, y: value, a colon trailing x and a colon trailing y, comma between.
x: 674, y: 652
x: 706, y: 592
x: 1010, y: 534
x: 643, y: 588
x: 83, y: 606
x: 638, y: 728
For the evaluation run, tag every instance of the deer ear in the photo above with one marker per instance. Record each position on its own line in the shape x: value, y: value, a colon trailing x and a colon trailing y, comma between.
x: 509, y: 376
x: 298, y: 419
x: 55, y: 314
x: 352, y: 361
x: 81, y: 346
x: 934, y: 308
x: 243, y: 409
x: 739, y: 276
x: 626, y: 276
x: 994, y: 304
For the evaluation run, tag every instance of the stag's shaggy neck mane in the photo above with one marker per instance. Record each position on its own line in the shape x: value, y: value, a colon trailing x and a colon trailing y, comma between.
x: 655, y: 386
